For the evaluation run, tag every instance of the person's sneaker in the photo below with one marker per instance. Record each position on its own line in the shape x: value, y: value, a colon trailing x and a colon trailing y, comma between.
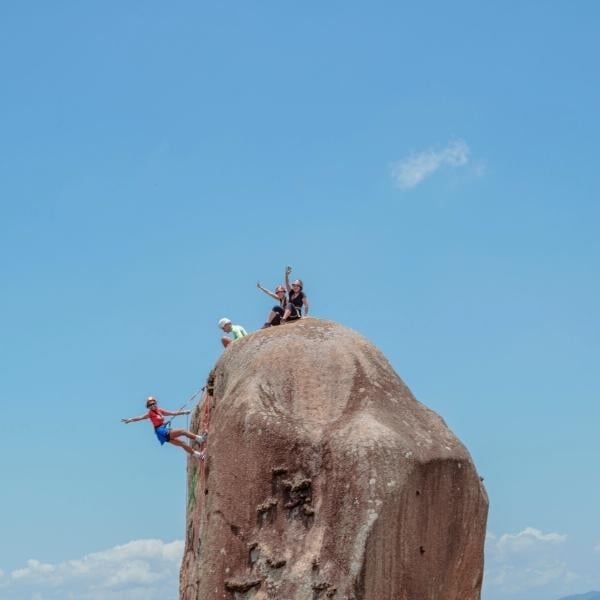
x: 199, y: 455
x: 200, y: 439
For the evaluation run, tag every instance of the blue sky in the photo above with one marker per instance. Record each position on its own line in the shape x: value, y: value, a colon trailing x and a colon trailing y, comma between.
x: 430, y: 172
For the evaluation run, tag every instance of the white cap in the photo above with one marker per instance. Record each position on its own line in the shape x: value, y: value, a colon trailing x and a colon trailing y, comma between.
x: 224, y: 321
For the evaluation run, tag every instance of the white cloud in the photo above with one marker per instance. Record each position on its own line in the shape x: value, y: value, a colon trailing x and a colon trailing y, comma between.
x: 517, y: 563
x: 141, y: 569
x: 33, y: 570
x: 414, y: 169
x: 527, y: 540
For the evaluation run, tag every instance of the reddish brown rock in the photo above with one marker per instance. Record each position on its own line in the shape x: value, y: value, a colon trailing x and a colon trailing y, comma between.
x: 325, y: 478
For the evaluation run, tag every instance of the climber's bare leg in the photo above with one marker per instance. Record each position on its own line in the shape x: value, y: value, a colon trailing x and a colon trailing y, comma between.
x: 181, y: 444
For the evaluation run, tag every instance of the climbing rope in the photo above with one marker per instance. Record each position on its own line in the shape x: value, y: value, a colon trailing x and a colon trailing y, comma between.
x: 188, y: 401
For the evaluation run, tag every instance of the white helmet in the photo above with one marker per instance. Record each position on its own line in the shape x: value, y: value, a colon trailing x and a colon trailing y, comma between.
x: 224, y: 321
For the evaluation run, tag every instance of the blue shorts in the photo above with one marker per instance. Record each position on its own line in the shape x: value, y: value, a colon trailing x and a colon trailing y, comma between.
x: 162, y: 433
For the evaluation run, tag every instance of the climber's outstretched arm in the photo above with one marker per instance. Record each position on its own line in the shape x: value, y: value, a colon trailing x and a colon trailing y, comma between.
x: 134, y: 419
x: 266, y: 291
x: 175, y: 413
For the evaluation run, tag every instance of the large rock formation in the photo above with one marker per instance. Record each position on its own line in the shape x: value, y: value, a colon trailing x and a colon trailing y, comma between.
x: 325, y: 478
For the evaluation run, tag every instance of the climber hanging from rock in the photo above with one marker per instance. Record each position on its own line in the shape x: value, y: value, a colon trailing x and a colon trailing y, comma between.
x: 278, y: 310
x: 237, y: 331
x: 163, y: 430
x: 296, y: 299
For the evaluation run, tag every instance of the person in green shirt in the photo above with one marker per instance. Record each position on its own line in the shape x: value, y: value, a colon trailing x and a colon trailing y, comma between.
x: 236, y: 331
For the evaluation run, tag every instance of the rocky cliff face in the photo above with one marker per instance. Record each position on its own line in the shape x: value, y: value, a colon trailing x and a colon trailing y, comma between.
x: 325, y: 478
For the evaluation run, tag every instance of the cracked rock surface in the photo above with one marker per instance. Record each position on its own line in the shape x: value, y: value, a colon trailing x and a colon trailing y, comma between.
x: 326, y: 478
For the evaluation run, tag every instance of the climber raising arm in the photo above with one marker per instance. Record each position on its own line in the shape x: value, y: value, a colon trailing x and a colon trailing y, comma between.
x: 288, y: 270
x: 297, y: 300
x: 266, y: 291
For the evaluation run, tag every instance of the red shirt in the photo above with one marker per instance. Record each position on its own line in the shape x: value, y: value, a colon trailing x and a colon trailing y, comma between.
x: 156, y: 416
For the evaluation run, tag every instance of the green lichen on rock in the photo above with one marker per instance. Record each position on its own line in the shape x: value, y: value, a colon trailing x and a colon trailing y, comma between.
x: 192, y: 489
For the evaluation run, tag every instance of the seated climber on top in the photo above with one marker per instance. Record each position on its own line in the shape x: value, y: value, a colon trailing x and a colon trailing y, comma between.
x: 164, y: 433
x: 277, y: 311
x: 237, y: 331
x: 296, y: 299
